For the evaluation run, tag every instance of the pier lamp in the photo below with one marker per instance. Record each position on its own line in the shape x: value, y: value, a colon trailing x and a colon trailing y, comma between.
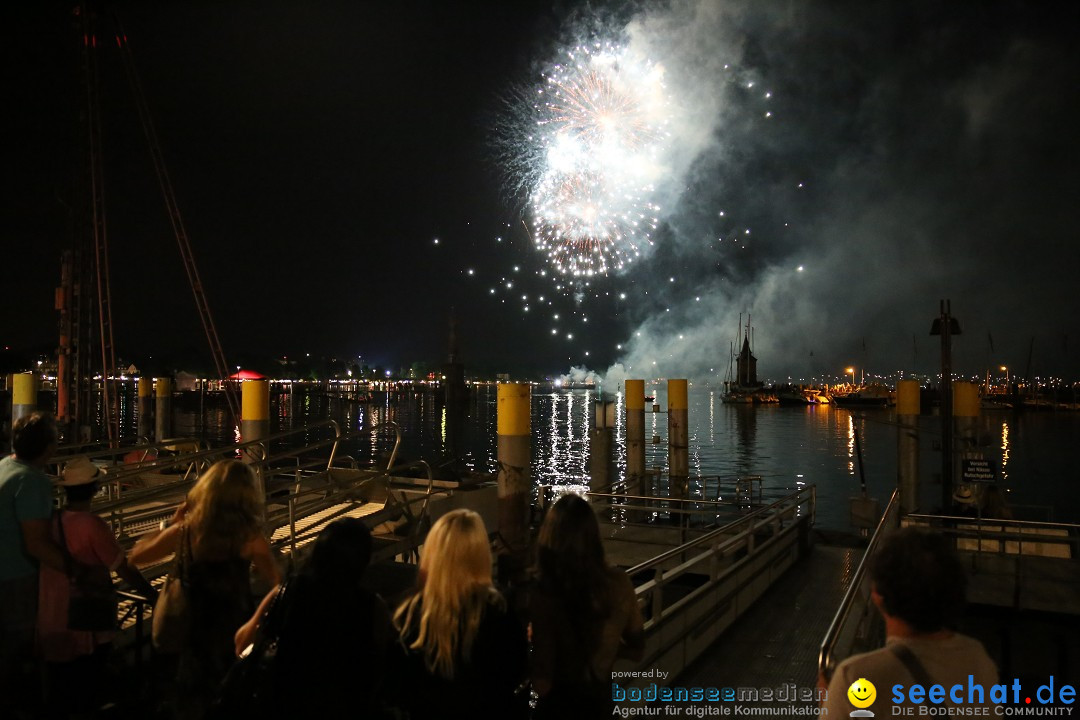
x: 852, y: 371
x: 1005, y: 369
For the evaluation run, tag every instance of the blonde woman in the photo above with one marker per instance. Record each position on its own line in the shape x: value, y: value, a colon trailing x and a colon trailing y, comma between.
x: 219, y: 530
x: 467, y: 653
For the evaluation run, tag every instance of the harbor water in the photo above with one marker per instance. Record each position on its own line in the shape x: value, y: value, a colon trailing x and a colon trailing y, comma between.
x: 784, y: 446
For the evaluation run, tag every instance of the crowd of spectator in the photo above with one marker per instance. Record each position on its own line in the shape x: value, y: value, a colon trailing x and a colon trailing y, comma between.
x: 321, y: 644
x: 456, y: 646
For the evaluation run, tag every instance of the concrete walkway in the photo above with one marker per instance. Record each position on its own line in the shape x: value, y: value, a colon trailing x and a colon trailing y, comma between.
x: 777, y: 641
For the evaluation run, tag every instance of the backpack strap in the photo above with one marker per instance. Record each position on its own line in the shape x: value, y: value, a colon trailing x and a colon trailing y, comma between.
x: 911, y: 663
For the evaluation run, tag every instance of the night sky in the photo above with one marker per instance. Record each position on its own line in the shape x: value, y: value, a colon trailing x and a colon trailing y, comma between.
x: 834, y: 170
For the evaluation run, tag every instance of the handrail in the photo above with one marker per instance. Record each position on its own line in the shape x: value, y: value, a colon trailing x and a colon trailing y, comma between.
x: 794, y: 500
x: 137, y: 612
x: 994, y: 521
x: 730, y: 560
x: 100, y: 451
x: 116, y: 512
x: 826, y: 659
x: 331, y: 497
x: 656, y: 498
x: 195, y: 459
x: 1007, y: 537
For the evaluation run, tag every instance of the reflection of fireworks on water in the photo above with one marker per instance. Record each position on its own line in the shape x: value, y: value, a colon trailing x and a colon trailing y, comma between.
x: 599, y: 123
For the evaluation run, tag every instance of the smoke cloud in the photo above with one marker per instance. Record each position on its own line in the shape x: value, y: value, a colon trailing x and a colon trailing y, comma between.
x: 837, y: 169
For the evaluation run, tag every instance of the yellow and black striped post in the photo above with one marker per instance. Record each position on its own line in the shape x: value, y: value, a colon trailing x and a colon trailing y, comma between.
x: 635, y: 437
x: 163, y: 408
x: 678, y: 440
x: 145, y: 408
x: 514, y: 456
x: 255, y: 410
x: 907, y: 444
x: 24, y: 388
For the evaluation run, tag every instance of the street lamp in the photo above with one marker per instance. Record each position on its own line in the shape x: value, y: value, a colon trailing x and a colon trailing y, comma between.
x: 852, y: 371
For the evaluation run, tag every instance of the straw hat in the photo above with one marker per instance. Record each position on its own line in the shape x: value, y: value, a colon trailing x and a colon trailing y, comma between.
x: 79, y: 471
x: 964, y: 495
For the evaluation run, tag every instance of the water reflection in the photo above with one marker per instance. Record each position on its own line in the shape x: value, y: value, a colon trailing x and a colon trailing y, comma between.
x: 746, y: 417
x: 787, y: 447
x: 1005, y: 452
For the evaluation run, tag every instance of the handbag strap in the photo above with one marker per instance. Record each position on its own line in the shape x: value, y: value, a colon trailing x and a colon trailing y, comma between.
x: 276, y: 614
x: 183, y: 555
x: 911, y: 663
x: 69, y: 561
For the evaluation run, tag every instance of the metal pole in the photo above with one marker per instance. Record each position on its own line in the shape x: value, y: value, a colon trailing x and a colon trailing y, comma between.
x: 946, y: 407
x: 635, y: 437
x: 145, y: 408
x: 601, y: 441
x: 678, y: 440
x: 514, y: 456
x: 255, y: 410
x: 163, y: 411
x: 907, y: 444
x: 23, y: 396
x: 966, y: 419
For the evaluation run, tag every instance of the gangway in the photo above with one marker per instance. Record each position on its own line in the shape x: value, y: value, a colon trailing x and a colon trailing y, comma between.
x: 691, y: 593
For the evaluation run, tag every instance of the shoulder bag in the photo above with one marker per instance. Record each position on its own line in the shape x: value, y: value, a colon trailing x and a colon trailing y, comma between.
x: 172, y: 616
x: 92, y: 601
x: 248, y: 689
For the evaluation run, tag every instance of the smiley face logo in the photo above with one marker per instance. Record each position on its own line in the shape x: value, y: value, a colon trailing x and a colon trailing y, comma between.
x: 862, y: 693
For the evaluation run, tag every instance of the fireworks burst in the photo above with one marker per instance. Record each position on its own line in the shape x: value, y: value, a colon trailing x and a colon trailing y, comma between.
x: 599, y: 126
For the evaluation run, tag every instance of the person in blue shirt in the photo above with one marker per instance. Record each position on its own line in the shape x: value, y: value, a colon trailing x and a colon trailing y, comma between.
x: 25, y: 541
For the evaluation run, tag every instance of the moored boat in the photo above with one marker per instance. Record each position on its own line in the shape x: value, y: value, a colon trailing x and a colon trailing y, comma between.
x: 866, y: 396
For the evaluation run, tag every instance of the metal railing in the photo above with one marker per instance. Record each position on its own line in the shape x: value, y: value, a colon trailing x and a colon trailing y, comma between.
x: 117, y: 477
x: 857, y: 627
x: 137, y: 510
x: 1004, y: 536
x: 734, y: 495
x: 344, y: 499
x: 135, y: 608
x: 711, y: 555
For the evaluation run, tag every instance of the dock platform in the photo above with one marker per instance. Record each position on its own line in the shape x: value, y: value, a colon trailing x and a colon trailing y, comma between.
x: 776, y: 642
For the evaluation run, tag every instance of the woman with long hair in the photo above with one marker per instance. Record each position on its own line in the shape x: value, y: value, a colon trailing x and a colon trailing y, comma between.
x: 583, y: 613
x: 218, y: 531
x: 467, y: 654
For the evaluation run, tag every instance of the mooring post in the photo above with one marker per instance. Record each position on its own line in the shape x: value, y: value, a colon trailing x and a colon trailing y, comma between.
x: 678, y: 440
x: 255, y: 410
x: 907, y: 444
x: 23, y: 395
x: 163, y: 409
x: 514, y: 456
x: 635, y: 438
x: 145, y: 408
x: 601, y: 441
x: 966, y: 406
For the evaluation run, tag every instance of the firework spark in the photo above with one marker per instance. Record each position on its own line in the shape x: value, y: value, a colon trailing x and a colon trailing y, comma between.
x: 599, y: 126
